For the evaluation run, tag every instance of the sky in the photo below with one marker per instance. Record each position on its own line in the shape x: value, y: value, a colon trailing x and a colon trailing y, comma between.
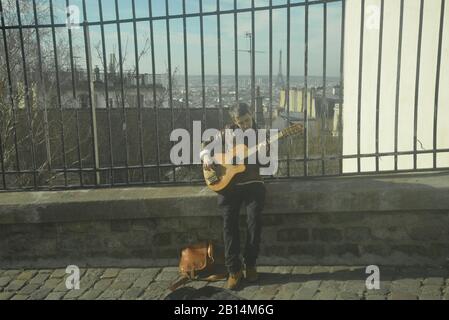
x: 210, y: 35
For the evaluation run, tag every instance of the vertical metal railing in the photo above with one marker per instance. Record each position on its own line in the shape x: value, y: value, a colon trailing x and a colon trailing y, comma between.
x: 103, y: 153
x: 106, y: 94
x: 437, y: 83
x: 27, y: 95
x: 398, y: 86
x: 379, y: 78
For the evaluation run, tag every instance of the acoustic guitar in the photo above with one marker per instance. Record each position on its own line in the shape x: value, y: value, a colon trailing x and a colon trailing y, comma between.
x: 226, y: 167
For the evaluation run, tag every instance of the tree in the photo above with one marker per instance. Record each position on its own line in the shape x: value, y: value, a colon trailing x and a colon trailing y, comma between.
x: 28, y: 79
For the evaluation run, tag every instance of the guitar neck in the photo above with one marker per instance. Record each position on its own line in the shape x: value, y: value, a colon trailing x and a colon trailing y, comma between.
x: 276, y: 137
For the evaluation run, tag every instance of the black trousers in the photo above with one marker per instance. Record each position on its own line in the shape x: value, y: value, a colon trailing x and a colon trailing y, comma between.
x: 253, y: 197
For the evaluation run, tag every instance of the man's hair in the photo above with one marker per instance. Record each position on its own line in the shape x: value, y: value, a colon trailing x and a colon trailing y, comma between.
x: 239, y: 110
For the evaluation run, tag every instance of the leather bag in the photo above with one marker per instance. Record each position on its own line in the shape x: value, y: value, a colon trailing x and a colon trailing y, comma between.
x: 202, y: 261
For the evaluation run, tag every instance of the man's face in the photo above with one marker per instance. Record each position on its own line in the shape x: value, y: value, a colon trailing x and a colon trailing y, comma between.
x: 244, y: 122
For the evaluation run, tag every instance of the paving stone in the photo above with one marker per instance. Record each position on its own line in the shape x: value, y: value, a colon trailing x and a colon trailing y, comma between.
x: 47, y: 271
x: 304, y: 293
x: 197, y: 284
x: 143, y: 282
x: 347, y: 296
x: 110, y: 273
x: 91, y: 294
x: 330, y: 285
x: 247, y: 294
x: 430, y: 293
x: 120, y: 285
x: 39, y: 278
x: 6, y: 295
x: 29, y: 289
x: 267, y: 292
x: 40, y: 294
x: 400, y: 295
x: 304, y: 283
x: 26, y: 275
x: 129, y: 275
x: 286, y: 291
x: 52, y: 283
x: 326, y: 295
x: 61, y: 287
x: 111, y: 294
x: 429, y: 297
x: 156, y: 290
x: 150, y: 272
x: 132, y: 294
x: 376, y: 297
x: 75, y: 294
x: 436, y: 281
x: 87, y: 283
x: 355, y: 286
x: 4, y: 281
x: 94, y: 273
x: 307, y: 290
x: 406, y: 285
x: 55, y: 296
x: 377, y: 292
x: 167, y: 276
x: 428, y: 289
x: 15, y: 285
x: 11, y: 273
x: 58, y: 273
x: 313, y: 284
x: 217, y: 284
x: 103, y: 284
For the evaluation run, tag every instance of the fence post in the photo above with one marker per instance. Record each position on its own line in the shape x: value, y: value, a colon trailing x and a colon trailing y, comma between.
x: 93, y: 106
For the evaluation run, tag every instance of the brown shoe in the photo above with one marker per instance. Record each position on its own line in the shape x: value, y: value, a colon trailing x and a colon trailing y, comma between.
x: 234, y: 280
x: 251, y: 274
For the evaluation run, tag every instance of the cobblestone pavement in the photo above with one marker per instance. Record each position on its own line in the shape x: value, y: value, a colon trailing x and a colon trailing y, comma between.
x: 281, y: 282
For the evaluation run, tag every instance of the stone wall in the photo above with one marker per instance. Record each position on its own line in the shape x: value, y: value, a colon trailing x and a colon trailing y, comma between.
x: 390, y: 220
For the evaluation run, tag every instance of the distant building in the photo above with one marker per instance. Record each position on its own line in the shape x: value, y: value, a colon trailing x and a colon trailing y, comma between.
x: 296, y: 102
x: 114, y: 89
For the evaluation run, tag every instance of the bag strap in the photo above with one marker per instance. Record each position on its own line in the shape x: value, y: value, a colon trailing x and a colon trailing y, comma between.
x: 216, y: 277
x: 183, y: 280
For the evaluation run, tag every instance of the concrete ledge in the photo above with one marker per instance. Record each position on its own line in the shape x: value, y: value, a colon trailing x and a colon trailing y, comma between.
x: 355, y: 194
x: 382, y: 220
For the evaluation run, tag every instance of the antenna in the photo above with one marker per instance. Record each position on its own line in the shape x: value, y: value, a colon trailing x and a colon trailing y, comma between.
x: 249, y: 36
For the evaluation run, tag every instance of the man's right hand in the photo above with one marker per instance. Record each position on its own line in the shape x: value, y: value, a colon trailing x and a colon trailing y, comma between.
x: 207, y: 163
x: 207, y: 167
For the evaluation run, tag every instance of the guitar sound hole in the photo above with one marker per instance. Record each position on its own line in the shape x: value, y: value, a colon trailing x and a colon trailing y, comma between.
x: 219, y: 170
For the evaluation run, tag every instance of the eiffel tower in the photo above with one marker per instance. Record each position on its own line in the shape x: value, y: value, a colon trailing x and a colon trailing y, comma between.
x: 280, y: 80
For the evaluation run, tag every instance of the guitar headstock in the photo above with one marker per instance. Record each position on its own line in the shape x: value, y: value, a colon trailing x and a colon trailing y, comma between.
x: 292, y: 130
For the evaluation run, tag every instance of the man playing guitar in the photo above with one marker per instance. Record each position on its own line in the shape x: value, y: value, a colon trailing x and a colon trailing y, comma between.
x: 247, y: 189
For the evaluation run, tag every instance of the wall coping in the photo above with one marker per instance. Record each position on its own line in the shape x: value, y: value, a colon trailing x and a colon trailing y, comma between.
x: 398, y: 192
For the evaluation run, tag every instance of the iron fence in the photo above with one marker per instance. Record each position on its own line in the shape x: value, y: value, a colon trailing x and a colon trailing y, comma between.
x: 58, y: 132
